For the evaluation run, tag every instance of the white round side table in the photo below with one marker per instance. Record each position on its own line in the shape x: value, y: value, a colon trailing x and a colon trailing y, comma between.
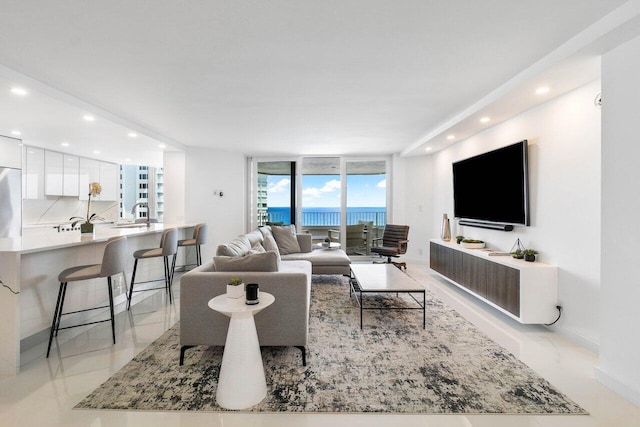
x: 241, y: 383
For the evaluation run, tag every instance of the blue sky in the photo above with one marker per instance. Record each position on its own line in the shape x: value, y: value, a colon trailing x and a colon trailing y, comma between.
x: 324, y: 190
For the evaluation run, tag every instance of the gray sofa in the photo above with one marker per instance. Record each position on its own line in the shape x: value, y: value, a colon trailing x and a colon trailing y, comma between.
x: 284, y: 323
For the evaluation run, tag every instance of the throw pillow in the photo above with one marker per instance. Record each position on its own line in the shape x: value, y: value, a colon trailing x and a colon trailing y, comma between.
x: 256, y: 249
x: 269, y: 244
x: 236, y: 247
x: 286, y: 239
x: 266, y: 261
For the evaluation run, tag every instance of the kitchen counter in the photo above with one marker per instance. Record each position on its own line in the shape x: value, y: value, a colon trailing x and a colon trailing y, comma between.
x: 43, y: 239
x: 29, y: 268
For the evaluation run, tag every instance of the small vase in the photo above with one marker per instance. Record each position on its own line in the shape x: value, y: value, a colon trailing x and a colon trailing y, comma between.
x: 235, y: 291
x: 446, y: 229
x: 86, y: 228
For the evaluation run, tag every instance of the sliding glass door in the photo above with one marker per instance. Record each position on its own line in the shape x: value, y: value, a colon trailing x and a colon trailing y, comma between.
x: 366, y: 204
x: 320, y: 196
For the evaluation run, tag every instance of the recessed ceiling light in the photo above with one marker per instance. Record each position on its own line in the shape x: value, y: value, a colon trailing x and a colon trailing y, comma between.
x: 162, y: 146
x: 428, y: 149
x: 542, y: 90
x: 127, y: 159
x: 18, y: 91
x: 88, y: 117
x: 65, y: 144
x: 451, y: 137
x: 485, y: 120
x: 132, y: 135
x: 96, y: 151
x: 16, y: 132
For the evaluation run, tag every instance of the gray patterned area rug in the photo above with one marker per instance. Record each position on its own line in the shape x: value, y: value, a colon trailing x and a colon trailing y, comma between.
x: 393, y: 365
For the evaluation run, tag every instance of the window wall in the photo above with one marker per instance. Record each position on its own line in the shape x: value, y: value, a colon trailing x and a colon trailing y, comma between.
x: 320, y: 194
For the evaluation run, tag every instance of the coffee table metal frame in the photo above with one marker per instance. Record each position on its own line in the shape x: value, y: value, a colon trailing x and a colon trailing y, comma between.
x: 399, y: 284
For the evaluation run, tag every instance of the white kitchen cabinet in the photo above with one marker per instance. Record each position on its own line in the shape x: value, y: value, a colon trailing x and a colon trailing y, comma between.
x: 107, y: 174
x: 70, y: 175
x: 89, y: 172
x: 54, y: 173
x: 34, y: 173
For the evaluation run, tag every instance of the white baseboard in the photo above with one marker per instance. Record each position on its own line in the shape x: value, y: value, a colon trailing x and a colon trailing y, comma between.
x: 576, y: 338
x: 632, y: 395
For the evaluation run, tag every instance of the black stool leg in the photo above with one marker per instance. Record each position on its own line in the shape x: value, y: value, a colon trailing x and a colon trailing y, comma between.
x: 113, y: 318
x: 198, y: 255
x: 133, y: 279
x: 55, y: 319
x: 64, y: 294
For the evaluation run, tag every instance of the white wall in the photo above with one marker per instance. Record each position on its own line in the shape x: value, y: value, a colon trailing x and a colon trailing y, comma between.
x: 173, y: 170
x: 208, y: 171
x: 620, y: 346
x: 564, y: 162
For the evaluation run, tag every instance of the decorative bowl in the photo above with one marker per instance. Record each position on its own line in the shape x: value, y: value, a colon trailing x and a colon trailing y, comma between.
x: 473, y: 245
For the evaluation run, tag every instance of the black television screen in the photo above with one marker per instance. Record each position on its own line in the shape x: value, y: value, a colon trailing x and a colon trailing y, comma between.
x: 493, y: 187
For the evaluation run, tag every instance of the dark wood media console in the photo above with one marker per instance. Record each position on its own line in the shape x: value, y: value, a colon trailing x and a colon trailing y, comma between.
x: 525, y: 291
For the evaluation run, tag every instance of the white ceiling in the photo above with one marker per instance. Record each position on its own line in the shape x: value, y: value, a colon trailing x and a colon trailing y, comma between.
x: 276, y: 77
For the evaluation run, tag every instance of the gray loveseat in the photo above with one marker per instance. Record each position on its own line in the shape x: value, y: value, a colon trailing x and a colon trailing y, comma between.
x: 285, y: 322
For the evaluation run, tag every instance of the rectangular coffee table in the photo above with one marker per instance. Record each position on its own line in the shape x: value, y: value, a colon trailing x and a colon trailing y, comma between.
x: 384, y: 278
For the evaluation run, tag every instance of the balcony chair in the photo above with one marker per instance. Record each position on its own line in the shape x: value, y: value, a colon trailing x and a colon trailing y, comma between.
x: 168, y: 248
x: 114, y: 261
x: 356, y: 238
x: 394, y: 243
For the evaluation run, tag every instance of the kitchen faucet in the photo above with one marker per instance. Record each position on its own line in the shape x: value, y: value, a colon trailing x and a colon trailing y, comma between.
x: 133, y: 211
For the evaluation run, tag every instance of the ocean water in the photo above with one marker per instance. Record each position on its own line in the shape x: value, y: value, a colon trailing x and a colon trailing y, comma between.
x: 330, y: 216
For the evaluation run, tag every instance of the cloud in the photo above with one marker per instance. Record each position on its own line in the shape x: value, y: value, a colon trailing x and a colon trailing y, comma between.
x: 382, y: 184
x: 280, y: 186
x: 330, y: 186
x: 311, y: 191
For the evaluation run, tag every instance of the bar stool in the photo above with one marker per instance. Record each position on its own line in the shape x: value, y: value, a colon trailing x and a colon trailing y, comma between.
x: 168, y: 247
x: 199, y: 238
x: 114, y: 261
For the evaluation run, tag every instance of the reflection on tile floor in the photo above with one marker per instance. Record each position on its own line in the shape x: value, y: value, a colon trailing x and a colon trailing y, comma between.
x: 46, y: 390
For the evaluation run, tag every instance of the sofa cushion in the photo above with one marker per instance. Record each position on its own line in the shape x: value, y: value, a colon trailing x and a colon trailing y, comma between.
x: 321, y: 257
x: 269, y: 244
x: 265, y: 230
x: 266, y: 261
x: 286, y: 239
x: 256, y: 249
x: 255, y: 237
x: 237, y: 247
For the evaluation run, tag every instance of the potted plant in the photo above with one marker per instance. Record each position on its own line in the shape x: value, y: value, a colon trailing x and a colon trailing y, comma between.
x: 459, y: 239
x: 86, y: 225
x: 518, y: 254
x: 235, y: 288
x: 530, y: 255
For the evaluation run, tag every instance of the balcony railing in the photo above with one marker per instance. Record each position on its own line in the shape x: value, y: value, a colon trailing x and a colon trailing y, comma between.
x: 323, y: 219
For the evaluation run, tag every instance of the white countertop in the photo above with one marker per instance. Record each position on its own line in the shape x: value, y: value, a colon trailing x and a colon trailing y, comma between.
x: 39, y: 239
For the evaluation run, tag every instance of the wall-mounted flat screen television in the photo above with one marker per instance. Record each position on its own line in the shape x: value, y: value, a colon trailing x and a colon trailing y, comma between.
x: 493, y: 188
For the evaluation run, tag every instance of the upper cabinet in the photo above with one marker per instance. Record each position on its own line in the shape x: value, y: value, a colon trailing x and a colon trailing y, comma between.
x: 70, y: 178
x: 34, y: 173
x: 109, y: 179
x: 50, y: 173
x: 53, y: 173
x: 104, y: 173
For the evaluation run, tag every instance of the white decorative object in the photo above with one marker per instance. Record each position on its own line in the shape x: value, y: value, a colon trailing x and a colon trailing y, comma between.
x: 235, y: 291
x: 241, y: 382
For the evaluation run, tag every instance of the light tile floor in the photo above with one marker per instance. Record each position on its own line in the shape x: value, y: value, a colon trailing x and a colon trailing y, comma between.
x: 46, y: 390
